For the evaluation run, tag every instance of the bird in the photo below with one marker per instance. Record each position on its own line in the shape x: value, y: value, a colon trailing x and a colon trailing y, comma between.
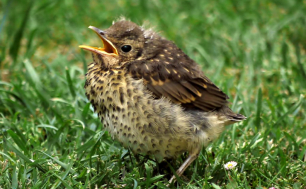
x: 151, y: 97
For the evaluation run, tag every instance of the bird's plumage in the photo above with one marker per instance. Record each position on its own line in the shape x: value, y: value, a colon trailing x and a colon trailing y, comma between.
x: 151, y: 96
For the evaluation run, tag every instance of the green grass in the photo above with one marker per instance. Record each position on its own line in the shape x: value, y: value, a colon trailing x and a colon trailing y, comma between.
x: 254, y: 50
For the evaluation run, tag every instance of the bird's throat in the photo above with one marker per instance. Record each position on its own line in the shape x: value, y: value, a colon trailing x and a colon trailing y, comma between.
x: 105, y: 61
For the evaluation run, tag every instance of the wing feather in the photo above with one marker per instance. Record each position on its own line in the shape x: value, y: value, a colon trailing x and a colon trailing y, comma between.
x: 180, y: 80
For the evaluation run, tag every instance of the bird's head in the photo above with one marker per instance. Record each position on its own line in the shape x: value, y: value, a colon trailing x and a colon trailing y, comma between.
x: 124, y: 42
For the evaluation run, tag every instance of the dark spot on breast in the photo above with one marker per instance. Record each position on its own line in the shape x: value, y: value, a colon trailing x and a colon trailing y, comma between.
x: 111, y: 72
x: 138, y: 99
x: 93, y: 92
x: 92, y: 101
x: 116, y: 108
x: 122, y: 98
x: 129, y: 92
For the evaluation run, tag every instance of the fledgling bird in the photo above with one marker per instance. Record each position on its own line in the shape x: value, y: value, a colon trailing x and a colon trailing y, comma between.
x: 151, y: 96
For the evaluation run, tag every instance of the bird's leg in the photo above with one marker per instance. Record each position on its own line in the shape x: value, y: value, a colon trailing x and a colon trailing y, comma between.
x: 194, y: 155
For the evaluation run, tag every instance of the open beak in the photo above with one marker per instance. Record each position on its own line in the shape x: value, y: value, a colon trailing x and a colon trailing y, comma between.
x: 108, y: 47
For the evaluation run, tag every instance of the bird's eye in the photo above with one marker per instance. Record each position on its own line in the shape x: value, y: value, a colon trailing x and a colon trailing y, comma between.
x: 126, y: 48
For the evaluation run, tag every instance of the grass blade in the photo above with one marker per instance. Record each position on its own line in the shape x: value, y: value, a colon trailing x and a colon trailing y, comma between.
x: 70, y: 83
x: 14, y: 49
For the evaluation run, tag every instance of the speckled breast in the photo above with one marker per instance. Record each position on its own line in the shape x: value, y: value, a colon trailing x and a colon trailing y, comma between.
x: 131, y: 115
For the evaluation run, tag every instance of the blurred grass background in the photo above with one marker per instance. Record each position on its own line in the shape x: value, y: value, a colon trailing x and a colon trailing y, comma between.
x: 253, y: 50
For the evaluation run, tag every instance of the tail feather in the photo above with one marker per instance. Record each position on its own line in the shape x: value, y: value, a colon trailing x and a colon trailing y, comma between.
x: 237, y: 117
x: 231, y: 116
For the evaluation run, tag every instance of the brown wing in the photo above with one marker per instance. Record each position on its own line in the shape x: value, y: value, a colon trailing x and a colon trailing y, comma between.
x: 184, y: 84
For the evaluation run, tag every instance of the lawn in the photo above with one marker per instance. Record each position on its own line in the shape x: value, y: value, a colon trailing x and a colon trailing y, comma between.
x: 255, y: 51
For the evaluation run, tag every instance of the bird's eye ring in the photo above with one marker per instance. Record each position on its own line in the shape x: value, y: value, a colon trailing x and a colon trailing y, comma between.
x: 126, y: 48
